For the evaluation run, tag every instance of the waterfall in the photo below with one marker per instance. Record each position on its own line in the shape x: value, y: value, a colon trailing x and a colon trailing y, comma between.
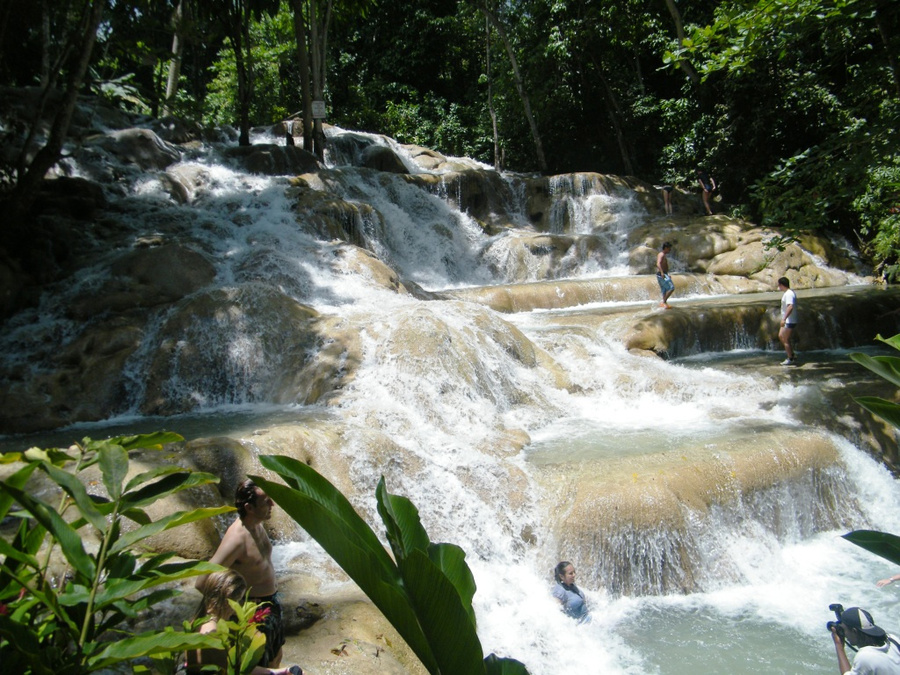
x: 701, y: 512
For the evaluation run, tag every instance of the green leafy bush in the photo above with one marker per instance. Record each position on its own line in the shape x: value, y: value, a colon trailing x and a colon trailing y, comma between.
x: 71, y: 620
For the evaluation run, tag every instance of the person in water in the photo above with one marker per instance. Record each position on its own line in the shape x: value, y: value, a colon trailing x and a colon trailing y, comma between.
x: 569, y: 595
x: 879, y: 653
x: 220, y: 587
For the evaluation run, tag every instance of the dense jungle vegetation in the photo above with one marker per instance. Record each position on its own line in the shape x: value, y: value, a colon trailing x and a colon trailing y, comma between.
x: 793, y: 105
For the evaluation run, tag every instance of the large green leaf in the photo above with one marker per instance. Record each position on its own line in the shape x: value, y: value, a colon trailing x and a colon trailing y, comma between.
x: 880, y: 543
x: 129, y: 539
x: 887, y: 367
x: 18, y: 479
x: 316, y: 488
x: 167, y: 485
x: 886, y: 410
x: 155, y: 472
x: 406, y: 534
x: 75, y: 489
x: 451, y: 560
x: 402, y: 523
x: 446, y: 622
x: 151, y: 643
x: 120, y: 589
x: 320, y: 509
x: 114, y: 468
x: 69, y: 540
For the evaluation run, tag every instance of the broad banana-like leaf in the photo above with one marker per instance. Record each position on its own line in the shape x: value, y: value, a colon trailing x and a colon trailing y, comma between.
x: 401, y: 521
x: 880, y: 543
x: 886, y: 410
x: 451, y: 560
x: 446, y: 622
x: 320, y: 509
x: 887, y: 367
x: 406, y: 534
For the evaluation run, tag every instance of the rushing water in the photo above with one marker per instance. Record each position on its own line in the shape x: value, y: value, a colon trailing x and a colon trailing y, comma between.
x: 767, y: 613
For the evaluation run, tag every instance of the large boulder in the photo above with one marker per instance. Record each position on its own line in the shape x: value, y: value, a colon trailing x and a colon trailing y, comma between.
x: 231, y: 345
x: 139, y: 146
x: 274, y: 160
x: 147, y: 277
x: 382, y: 158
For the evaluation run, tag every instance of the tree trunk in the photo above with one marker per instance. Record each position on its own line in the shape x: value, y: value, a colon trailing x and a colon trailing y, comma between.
x: 520, y: 87
x: 317, y: 51
x: 32, y: 173
x: 303, y: 62
x: 679, y: 31
x: 238, y: 26
x: 45, y: 44
x: 490, y: 92
x: 178, y: 23
x: 615, y: 111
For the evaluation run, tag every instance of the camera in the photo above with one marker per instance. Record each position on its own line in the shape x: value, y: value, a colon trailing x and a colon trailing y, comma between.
x: 836, y: 625
x: 296, y: 670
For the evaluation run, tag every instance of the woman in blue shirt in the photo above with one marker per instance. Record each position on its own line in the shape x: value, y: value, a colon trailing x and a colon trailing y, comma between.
x: 569, y: 595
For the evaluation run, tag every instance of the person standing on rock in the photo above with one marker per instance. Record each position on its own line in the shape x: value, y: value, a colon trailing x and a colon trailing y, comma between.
x: 708, y: 184
x: 666, y: 285
x: 667, y: 198
x: 788, y: 319
x: 247, y: 550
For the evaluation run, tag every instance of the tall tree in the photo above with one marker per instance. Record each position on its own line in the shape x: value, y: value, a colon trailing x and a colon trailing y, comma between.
x: 493, y: 16
x: 180, y: 20
x: 36, y: 158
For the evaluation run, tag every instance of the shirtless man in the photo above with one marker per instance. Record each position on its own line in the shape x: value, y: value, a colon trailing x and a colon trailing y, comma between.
x: 247, y: 550
x: 666, y: 285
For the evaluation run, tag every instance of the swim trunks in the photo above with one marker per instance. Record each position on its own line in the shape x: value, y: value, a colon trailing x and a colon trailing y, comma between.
x: 272, y: 627
x: 665, y: 283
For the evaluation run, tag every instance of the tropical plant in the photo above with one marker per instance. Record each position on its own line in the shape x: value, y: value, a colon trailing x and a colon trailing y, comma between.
x: 887, y: 367
x: 426, y: 594
x: 71, y: 576
x: 880, y: 543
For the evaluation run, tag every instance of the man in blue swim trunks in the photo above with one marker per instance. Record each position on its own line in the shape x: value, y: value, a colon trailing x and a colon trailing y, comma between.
x: 666, y: 285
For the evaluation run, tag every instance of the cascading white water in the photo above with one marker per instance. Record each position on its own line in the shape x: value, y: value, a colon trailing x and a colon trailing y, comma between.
x: 762, y: 600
